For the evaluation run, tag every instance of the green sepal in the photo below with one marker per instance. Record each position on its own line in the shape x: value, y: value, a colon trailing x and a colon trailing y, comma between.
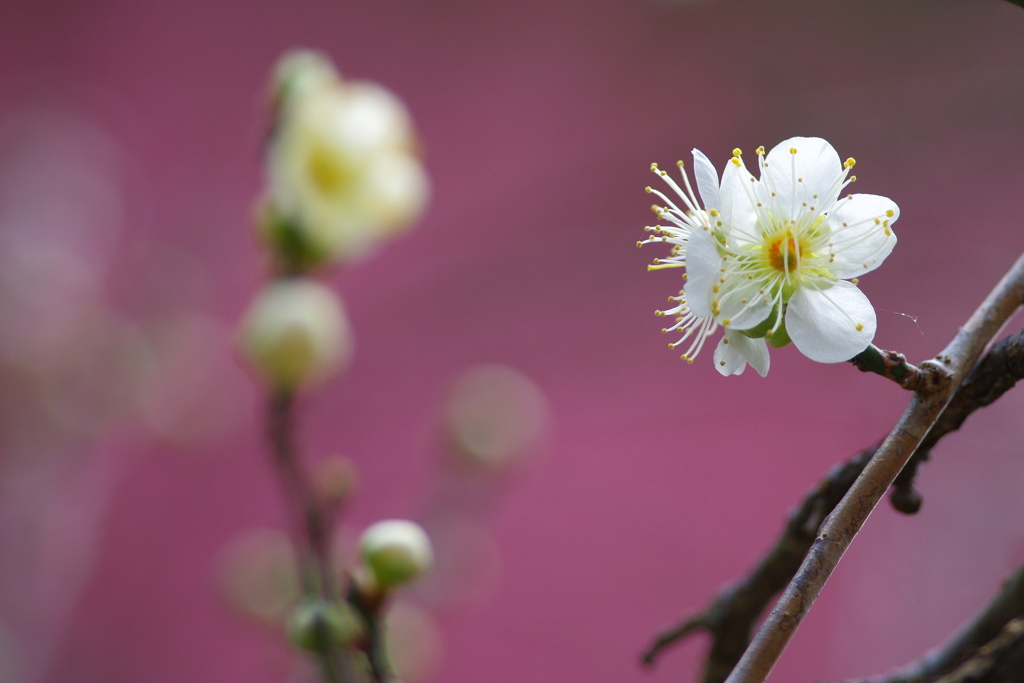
x: 292, y: 249
x: 318, y: 625
x: 781, y: 336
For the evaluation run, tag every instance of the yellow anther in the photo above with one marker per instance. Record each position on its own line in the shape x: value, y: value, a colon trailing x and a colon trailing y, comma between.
x: 737, y: 152
x: 654, y: 167
x: 888, y: 232
x: 855, y: 281
x: 648, y: 189
x: 680, y: 163
x: 890, y: 213
x: 853, y: 179
x: 659, y: 314
x: 639, y: 243
x: 759, y: 151
x: 726, y: 321
x: 725, y: 341
x: 714, y: 289
x: 850, y: 163
x: 721, y: 362
x: 860, y: 327
x: 736, y: 161
x: 713, y: 212
x: 792, y: 150
x: 799, y: 180
x: 688, y: 360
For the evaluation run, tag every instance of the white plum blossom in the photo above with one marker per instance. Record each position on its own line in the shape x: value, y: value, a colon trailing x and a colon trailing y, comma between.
x: 776, y: 258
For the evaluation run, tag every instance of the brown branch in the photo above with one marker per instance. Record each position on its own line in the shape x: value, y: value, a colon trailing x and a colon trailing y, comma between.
x: 311, y: 524
x: 1000, y: 661
x: 996, y: 373
x: 888, y: 364
x: 980, y: 647
x: 942, y: 376
x: 731, y: 616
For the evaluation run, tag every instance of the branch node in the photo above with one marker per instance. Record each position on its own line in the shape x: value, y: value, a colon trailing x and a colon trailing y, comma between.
x: 889, y: 364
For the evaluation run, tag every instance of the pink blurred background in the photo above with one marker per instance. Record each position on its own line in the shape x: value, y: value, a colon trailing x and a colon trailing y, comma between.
x: 132, y: 451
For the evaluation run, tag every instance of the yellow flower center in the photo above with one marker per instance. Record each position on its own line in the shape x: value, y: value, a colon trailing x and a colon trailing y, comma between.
x: 784, y: 252
x: 328, y: 172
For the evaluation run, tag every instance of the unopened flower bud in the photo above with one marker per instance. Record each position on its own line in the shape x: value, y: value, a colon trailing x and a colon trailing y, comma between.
x: 319, y: 626
x: 299, y: 72
x: 396, y: 551
x: 295, y: 333
x: 336, y: 478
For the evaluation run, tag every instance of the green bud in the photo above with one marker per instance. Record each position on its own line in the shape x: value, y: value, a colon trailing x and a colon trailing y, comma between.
x: 295, y: 333
x: 396, y: 551
x: 317, y: 625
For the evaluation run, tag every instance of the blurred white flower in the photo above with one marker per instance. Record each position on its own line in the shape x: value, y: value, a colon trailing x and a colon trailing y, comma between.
x: 295, y: 333
x: 342, y: 163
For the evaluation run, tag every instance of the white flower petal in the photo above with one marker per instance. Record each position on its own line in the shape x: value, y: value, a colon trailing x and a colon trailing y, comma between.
x: 702, y: 263
x: 737, y: 207
x: 823, y: 323
x: 810, y: 175
x: 861, y: 233
x: 736, y: 350
x: 741, y: 303
x: 707, y: 179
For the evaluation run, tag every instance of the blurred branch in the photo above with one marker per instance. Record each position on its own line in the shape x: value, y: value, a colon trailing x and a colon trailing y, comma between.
x: 993, y: 639
x: 731, y: 616
x: 941, y: 378
x: 996, y: 373
x: 310, y: 521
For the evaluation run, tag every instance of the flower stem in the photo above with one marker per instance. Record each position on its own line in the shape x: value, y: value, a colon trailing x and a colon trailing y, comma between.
x: 888, y: 364
x: 939, y: 380
x: 310, y: 520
